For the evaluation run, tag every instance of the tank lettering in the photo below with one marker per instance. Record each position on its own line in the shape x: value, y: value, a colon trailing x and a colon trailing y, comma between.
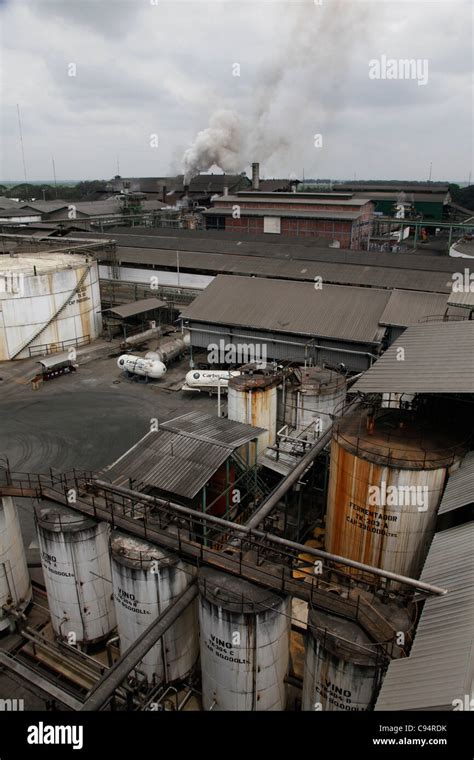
x: 371, y: 521
x: 336, y: 695
x: 129, y: 602
x: 49, y: 557
x: 224, y: 650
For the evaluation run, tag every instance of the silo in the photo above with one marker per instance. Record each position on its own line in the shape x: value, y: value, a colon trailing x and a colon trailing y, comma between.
x: 341, y: 667
x: 245, y: 639
x: 386, y: 480
x: 318, y: 397
x: 15, y: 585
x: 252, y: 399
x: 76, y: 567
x: 48, y: 301
x: 344, y: 667
x: 146, y: 580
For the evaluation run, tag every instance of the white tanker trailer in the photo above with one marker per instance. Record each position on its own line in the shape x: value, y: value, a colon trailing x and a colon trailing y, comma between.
x: 136, y: 365
x: 208, y: 380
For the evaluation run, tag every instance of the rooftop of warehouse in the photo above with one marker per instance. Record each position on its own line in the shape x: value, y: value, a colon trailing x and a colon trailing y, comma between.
x: 182, y: 455
x: 440, y: 666
x: 333, y: 311
x: 348, y: 216
x: 408, y: 307
x: 431, y: 357
x: 271, y: 246
x: 316, y: 199
x: 299, y: 270
x: 460, y: 488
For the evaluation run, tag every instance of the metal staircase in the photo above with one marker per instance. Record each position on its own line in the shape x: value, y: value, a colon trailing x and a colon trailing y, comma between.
x: 41, y: 329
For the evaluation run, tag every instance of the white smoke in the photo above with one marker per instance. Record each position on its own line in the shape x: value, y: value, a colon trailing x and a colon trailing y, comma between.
x: 219, y: 144
x: 307, y: 70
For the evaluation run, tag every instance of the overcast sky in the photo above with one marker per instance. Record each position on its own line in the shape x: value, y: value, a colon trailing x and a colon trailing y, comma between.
x: 146, y: 68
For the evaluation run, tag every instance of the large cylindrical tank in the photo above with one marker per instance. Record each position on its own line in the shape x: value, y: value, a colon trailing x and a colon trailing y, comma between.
x: 170, y: 349
x: 76, y: 566
x: 245, y: 639
x: 344, y: 667
x: 252, y: 399
x: 135, y: 365
x: 314, y: 401
x: 56, y: 291
x: 386, y: 481
x: 146, y: 580
x: 15, y: 584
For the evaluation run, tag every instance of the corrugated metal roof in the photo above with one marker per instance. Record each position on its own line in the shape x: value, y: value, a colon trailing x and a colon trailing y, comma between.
x: 460, y: 488
x: 275, y: 247
x: 136, y: 307
x: 292, y: 199
x: 299, y: 308
x: 464, y: 300
x: 216, y: 429
x: 409, y: 307
x: 182, y: 455
x: 440, y: 667
x: 344, y: 216
x: 438, y: 358
x: 302, y: 270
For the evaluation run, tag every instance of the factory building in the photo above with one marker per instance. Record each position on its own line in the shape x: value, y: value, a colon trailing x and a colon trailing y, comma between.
x: 341, y: 219
x: 290, y: 320
x: 428, y: 201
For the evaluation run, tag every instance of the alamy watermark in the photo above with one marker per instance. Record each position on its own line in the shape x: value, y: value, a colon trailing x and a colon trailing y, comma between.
x: 236, y: 353
x: 384, y: 495
x: 399, y: 68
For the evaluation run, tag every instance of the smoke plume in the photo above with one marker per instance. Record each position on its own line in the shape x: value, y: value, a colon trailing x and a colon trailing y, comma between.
x: 305, y: 78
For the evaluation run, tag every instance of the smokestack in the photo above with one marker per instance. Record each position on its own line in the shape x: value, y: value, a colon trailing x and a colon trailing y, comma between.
x: 226, y: 190
x: 164, y: 193
x: 255, y: 176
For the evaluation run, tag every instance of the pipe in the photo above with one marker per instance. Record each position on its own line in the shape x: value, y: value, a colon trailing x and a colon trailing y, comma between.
x: 306, y: 460
x: 101, y: 693
x: 269, y: 537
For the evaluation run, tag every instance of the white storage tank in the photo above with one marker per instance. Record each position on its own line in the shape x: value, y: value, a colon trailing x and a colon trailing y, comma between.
x: 316, y: 399
x: 47, y: 299
x: 136, y: 365
x: 342, y: 667
x: 387, y: 476
x: 76, y: 566
x: 245, y: 641
x: 252, y: 399
x: 15, y: 584
x: 146, y: 580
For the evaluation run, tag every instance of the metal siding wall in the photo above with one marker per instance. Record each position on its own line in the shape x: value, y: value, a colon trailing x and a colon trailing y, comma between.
x: 279, y: 351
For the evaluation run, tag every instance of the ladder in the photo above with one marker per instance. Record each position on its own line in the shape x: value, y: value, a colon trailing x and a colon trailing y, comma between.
x: 41, y: 329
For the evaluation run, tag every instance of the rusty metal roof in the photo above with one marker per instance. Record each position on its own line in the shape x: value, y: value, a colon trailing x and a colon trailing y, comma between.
x: 460, y: 488
x: 300, y: 308
x: 182, y: 455
x: 136, y: 307
x: 440, y: 667
x: 438, y: 357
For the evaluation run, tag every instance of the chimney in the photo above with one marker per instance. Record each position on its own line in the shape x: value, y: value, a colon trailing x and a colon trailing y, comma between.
x: 164, y: 192
x: 255, y: 176
x: 226, y: 190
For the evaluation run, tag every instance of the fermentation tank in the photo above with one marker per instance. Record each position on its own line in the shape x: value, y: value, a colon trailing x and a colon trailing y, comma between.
x: 317, y: 397
x: 387, y: 476
x: 146, y: 580
x: 76, y: 567
x: 15, y: 585
x: 252, y: 399
x: 47, y: 300
x: 343, y: 666
x: 245, y: 639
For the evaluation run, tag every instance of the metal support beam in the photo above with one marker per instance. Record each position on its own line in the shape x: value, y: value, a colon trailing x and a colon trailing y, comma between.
x: 114, y: 677
x: 36, y: 680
